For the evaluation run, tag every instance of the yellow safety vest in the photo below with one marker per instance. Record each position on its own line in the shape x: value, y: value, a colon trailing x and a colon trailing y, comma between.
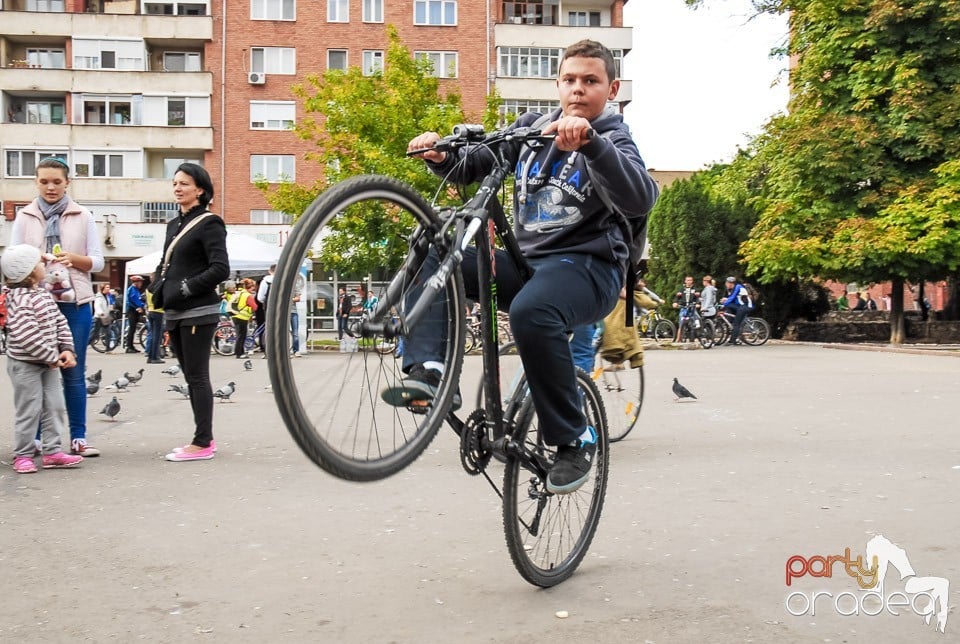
x: 240, y: 311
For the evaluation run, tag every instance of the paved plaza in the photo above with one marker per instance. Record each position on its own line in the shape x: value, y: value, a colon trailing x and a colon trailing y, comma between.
x: 791, y: 451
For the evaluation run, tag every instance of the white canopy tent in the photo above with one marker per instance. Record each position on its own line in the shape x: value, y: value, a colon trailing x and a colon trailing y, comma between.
x: 246, y: 255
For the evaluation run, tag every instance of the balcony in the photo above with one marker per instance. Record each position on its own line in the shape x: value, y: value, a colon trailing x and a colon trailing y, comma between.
x: 126, y: 137
x: 95, y: 81
x: 22, y: 26
x: 511, y: 35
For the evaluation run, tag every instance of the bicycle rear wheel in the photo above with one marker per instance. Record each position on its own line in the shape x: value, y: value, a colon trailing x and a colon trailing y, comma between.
x: 549, y: 534
x: 225, y: 339
x: 331, y: 403
x: 755, y: 331
x: 622, y: 393
x: 664, y: 330
x: 706, y: 333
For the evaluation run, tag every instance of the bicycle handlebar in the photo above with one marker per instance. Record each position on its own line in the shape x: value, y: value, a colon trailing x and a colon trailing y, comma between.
x: 471, y: 133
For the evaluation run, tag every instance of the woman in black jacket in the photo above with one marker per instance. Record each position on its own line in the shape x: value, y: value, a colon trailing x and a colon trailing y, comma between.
x: 197, y: 264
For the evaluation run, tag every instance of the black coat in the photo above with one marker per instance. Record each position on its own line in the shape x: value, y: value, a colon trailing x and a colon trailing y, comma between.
x: 200, y: 258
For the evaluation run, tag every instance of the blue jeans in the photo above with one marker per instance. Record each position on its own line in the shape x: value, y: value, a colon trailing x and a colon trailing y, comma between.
x: 295, y: 330
x: 154, y: 335
x: 566, y: 291
x: 80, y: 319
x: 581, y: 346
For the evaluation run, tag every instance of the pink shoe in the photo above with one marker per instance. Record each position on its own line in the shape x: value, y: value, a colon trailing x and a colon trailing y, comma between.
x: 24, y: 465
x: 58, y: 460
x: 204, y: 454
x: 213, y: 446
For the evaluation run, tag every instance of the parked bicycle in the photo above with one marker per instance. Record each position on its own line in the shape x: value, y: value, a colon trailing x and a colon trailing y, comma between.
x: 104, y: 339
x: 696, y: 328
x: 333, y: 407
x: 650, y: 324
x: 225, y: 338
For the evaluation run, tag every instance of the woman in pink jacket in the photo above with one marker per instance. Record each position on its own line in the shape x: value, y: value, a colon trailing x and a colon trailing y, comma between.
x: 66, y: 234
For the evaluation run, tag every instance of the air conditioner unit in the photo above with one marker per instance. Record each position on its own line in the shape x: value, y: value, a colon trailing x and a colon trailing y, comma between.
x: 516, y: 20
x: 256, y: 78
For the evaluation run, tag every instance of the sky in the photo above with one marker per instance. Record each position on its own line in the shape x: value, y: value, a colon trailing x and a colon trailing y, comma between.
x: 703, y: 80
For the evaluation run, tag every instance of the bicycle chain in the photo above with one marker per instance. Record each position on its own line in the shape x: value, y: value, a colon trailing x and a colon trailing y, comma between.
x: 472, y: 456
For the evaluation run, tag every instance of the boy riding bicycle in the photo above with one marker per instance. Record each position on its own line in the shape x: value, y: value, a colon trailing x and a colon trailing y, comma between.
x: 571, y: 240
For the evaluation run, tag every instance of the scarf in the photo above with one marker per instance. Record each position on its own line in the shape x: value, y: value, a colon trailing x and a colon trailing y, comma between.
x: 51, y: 212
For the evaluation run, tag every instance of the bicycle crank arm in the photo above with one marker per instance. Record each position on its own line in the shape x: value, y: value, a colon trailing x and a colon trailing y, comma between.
x: 535, y: 463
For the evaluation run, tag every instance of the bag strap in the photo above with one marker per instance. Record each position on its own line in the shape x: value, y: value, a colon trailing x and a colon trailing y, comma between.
x: 186, y: 229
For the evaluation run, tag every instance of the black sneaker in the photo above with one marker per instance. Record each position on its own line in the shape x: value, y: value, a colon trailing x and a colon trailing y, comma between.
x: 420, y: 385
x: 571, y: 469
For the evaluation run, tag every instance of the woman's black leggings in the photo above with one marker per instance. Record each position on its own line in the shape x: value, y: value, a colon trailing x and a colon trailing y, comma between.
x: 191, y: 345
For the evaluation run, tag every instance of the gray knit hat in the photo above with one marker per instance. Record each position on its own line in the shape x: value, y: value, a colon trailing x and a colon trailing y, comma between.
x: 19, y: 261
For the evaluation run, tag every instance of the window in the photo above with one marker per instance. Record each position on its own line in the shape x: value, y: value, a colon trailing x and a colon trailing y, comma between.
x: 109, y: 110
x: 269, y: 217
x: 273, y: 10
x: 338, y: 10
x: 444, y: 63
x: 23, y: 163
x: 273, y: 60
x: 272, y: 115
x: 435, y: 12
x: 514, y: 107
x: 47, y: 58
x: 108, y: 54
x: 175, y: 8
x: 529, y: 62
x: 274, y: 168
x: 45, y: 112
x: 159, y: 212
x: 113, y: 164
x: 175, y: 111
x: 373, y: 10
x: 45, y: 5
x: 372, y: 62
x: 337, y: 59
x: 618, y: 61
x: 583, y: 18
x: 181, y: 61
x: 532, y: 12
x: 103, y: 165
x: 170, y: 165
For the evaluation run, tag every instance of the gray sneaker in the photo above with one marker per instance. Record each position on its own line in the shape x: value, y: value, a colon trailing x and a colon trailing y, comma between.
x: 571, y: 469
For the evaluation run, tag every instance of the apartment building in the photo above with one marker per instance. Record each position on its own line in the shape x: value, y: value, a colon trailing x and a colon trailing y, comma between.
x: 126, y: 90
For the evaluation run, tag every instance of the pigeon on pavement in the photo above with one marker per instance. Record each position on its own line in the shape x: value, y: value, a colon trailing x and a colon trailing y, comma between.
x: 92, y: 388
x: 247, y: 365
x: 95, y: 377
x: 172, y: 370
x: 224, y: 392
x: 680, y: 391
x: 183, y: 389
x: 120, y: 384
x: 111, y: 409
x: 134, y: 378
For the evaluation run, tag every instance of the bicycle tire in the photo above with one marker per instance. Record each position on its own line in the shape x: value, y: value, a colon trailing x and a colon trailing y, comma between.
x: 622, y: 399
x: 225, y: 340
x: 706, y: 334
x: 332, y: 404
x: 664, y: 330
x: 471, y: 341
x: 571, y: 520
x: 756, y: 331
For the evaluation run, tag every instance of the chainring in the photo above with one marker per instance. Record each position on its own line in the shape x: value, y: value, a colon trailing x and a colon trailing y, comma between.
x: 473, y: 456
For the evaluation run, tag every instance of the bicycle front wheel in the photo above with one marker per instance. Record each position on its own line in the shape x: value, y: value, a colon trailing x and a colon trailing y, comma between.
x: 755, y: 331
x: 621, y: 388
x: 333, y: 403
x: 225, y: 339
x: 664, y: 330
x: 549, y: 534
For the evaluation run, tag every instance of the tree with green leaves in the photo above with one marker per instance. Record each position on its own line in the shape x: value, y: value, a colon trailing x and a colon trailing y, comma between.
x: 361, y: 125
x: 860, y: 176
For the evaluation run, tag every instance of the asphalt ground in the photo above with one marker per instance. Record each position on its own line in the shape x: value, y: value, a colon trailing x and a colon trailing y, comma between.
x: 789, y: 451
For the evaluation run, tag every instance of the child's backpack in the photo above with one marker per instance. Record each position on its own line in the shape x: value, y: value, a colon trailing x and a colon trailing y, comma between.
x: 753, y: 295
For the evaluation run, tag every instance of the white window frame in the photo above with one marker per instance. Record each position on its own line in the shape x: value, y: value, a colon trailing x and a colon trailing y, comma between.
x: 192, y: 61
x: 38, y: 156
x: 338, y: 10
x: 578, y: 18
x: 273, y: 167
x: 128, y: 54
x: 48, y: 6
x: 86, y: 161
x: 423, y: 11
x: 40, y: 104
x: 176, y: 8
x: 517, y: 62
x: 47, y: 58
x: 170, y: 165
x: 372, y: 10
x: 274, y: 60
x: 273, y: 10
x: 373, y: 60
x: 346, y: 59
x: 273, y: 115
x: 441, y: 61
x: 260, y: 216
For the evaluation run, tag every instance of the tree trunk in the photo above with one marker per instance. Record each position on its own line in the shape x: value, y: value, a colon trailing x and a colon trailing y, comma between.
x: 952, y: 310
x: 897, y: 329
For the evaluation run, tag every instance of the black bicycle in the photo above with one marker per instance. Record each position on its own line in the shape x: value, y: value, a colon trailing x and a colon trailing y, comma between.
x: 332, y: 405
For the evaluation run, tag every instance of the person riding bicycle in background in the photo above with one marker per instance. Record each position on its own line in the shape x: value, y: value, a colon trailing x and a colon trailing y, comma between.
x: 572, y: 241
x: 737, y: 301
x: 686, y: 300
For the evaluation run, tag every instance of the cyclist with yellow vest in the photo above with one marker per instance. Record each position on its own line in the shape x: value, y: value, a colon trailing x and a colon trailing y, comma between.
x: 242, y: 305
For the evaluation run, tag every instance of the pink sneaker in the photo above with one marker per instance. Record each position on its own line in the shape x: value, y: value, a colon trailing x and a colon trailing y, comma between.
x: 58, y: 460
x: 24, y: 465
x: 177, y: 450
x: 204, y: 454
